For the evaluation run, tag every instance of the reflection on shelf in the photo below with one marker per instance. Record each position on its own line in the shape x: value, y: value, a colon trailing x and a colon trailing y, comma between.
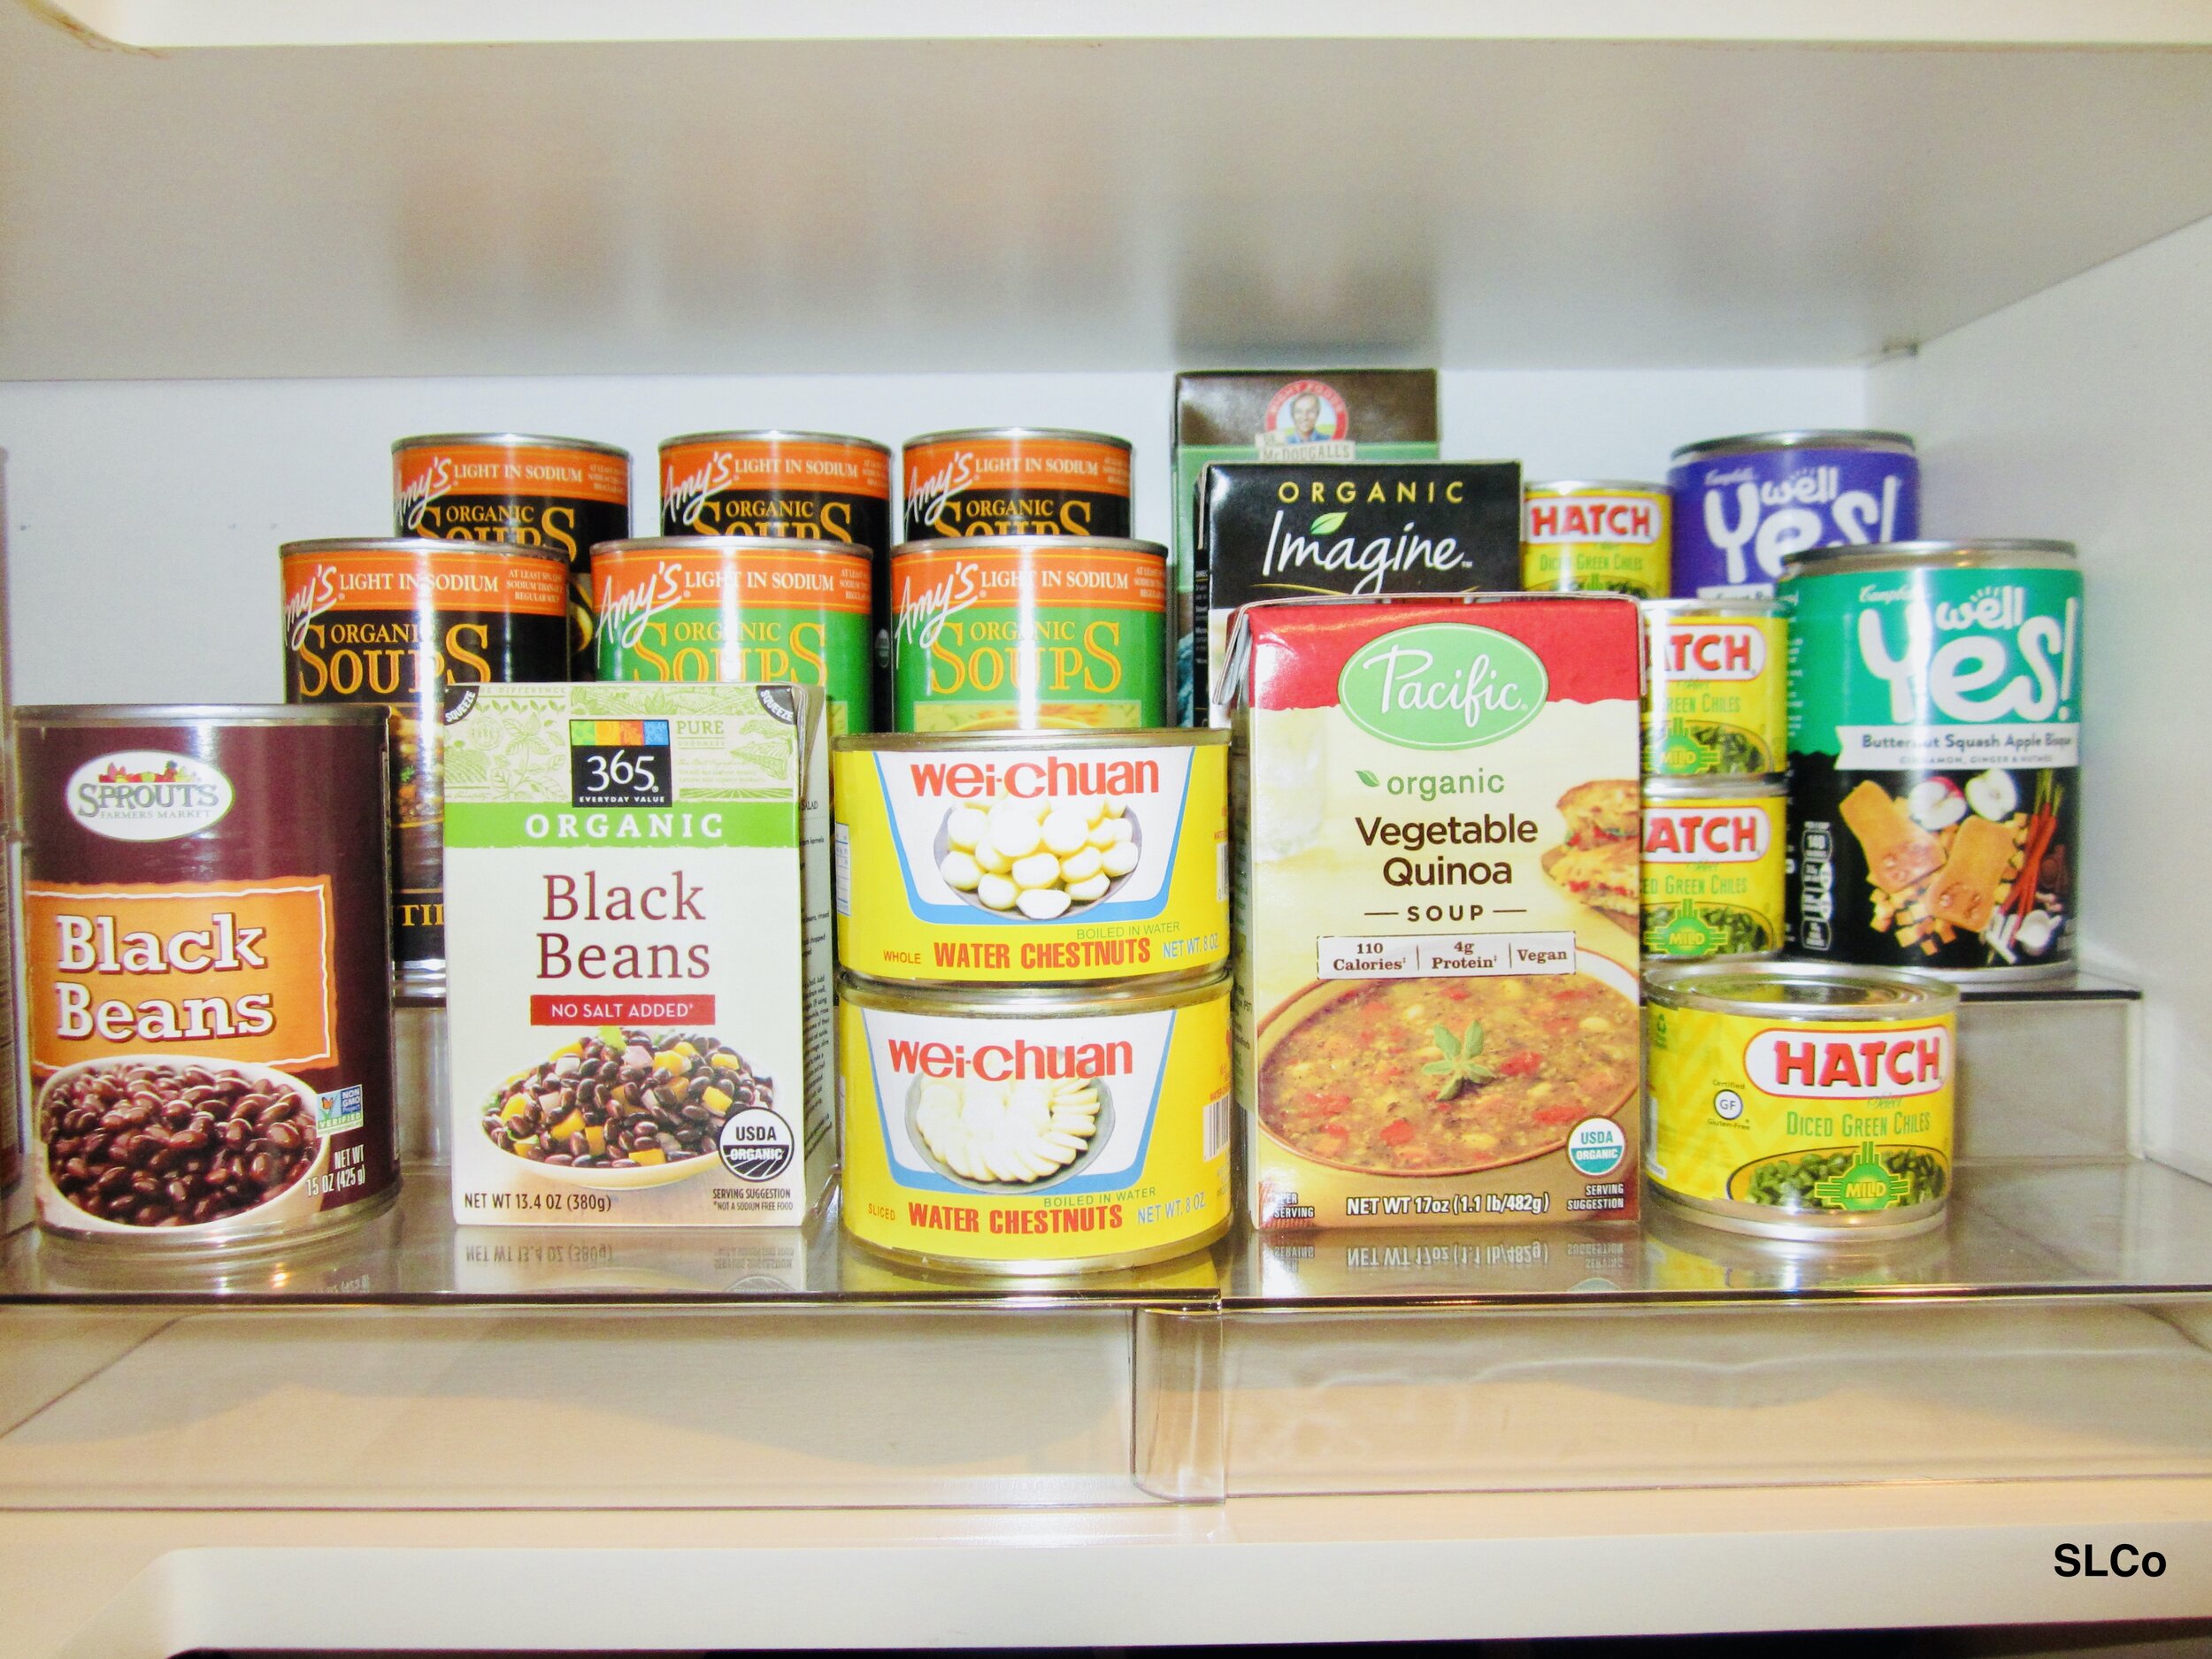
x: 2016, y: 1227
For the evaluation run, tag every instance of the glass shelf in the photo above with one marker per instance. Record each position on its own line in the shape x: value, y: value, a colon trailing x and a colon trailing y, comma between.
x: 2121, y: 1226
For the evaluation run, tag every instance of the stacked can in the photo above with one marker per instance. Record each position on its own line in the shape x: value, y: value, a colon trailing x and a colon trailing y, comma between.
x: 1033, y: 1028
x: 1716, y: 734
x: 817, y: 487
x: 1017, y: 602
x: 1743, y: 505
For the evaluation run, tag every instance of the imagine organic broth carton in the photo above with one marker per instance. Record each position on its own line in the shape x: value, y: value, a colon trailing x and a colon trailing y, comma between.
x: 638, y: 921
x: 1437, y: 1002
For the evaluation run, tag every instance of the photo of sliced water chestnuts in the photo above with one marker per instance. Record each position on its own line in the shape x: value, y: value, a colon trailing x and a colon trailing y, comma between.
x: 624, y: 1099
x: 1042, y: 858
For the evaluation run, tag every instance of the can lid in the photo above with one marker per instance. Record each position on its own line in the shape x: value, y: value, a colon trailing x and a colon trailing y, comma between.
x: 460, y: 547
x: 1885, y: 555
x: 1011, y: 543
x: 1666, y: 610
x: 1717, y: 786
x: 1034, y: 1001
x: 506, y: 441
x: 1800, y: 990
x: 193, y: 713
x: 1054, y: 433
x: 731, y: 544
x: 1641, y: 486
x: 774, y: 434
x: 1055, y: 740
x: 1763, y: 442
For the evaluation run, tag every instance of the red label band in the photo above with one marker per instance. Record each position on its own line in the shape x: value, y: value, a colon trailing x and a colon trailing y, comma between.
x: 621, y: 1010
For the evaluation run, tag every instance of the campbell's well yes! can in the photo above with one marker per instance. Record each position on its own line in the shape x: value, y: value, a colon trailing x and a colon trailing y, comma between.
x: 1742, y: 505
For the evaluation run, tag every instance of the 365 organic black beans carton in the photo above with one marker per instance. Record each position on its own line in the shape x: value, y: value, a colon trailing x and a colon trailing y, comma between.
x: 638, y: 926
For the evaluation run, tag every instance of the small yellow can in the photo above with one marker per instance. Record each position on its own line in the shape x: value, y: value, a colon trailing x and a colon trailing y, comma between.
x: 1717, y: 688
x: 1035, y: 1130
x: 1592, y: 536
x: 1712, y: 871
x: 1800, y: 1100
x: 1010, y: 858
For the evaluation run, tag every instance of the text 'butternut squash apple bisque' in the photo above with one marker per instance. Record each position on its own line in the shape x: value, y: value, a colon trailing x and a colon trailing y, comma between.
x: 1437, y: 982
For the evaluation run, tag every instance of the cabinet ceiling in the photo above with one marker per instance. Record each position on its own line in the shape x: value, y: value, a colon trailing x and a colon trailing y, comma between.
x: 785, y: 205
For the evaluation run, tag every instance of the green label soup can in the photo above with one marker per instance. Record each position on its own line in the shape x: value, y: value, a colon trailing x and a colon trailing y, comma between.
x: 1935, y: 705
x: 739, y: 610
x: 1027, y: 633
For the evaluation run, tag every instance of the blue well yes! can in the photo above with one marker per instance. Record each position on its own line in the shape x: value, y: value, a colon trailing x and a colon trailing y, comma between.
x: 1742, y: 505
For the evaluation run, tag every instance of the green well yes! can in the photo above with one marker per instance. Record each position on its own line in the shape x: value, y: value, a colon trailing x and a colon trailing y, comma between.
x: 738, y: 610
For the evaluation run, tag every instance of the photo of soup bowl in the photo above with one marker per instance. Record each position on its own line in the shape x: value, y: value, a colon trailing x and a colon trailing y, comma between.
x: 1443, y: 1076
x: 152, y: 1141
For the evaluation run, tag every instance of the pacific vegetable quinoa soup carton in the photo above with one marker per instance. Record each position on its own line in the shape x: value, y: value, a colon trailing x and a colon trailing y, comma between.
x: 638, y: 912
x: 1304, y: 416
x: 1437, y: 1020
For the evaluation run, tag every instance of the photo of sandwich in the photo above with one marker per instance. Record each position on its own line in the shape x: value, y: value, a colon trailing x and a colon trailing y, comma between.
x: 1598, y: 864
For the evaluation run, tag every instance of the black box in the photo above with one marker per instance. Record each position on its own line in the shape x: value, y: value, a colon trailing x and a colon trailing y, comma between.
x: 1275, y: 532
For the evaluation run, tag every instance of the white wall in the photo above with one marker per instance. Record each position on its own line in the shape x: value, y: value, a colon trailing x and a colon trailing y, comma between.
x: 145, y: 515
x: 2085, y: 412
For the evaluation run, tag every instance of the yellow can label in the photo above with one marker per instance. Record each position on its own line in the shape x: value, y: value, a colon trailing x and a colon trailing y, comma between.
x: 991, y: 865
x: 1035, y: 1137
x: 1718, y: 698
x: 1802, y: 1116
x: 1712, y: 877
x: 1597, y: 541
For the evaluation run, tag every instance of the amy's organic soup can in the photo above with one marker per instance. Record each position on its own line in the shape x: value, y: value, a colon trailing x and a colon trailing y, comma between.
x: 1028, y: 633
x: 739, y: 610
x: 1712, y: 867
x: 209, y: 1002
x: 1716, y: 688
x: 999, y: 859
x: 1016, y: 480
x: 816, y: 486
x: 417, y: 625
x: 564, y: 493
x: 1743, y: 505
x: 1595, y: 536
x: 1800, y: 1100
x: 1935, y: 756
x: 1035, y: 1130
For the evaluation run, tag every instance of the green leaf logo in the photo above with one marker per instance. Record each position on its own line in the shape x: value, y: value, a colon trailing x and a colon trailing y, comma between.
x: 1369, y: 779
x: 1328, y: 522
x: 1443, y: 685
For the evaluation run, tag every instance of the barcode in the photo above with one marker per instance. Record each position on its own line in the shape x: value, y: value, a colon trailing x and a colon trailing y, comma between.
x: 1221, y: 871
x: 841, y: 874
x: 1217, y: 1129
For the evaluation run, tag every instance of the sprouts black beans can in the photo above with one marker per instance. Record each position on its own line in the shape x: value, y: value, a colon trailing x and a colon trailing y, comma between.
x: 209, y: 993
x: 1935, y: 719
x: 564, y: 493
x: 416, y: 625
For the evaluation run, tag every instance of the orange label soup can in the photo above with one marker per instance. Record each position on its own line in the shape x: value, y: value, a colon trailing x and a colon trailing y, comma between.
x: 1017, y: 480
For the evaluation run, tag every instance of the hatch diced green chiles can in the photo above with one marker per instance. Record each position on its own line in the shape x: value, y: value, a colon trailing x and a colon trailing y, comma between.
x: 1935, y: 705
x: 739, y: 610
